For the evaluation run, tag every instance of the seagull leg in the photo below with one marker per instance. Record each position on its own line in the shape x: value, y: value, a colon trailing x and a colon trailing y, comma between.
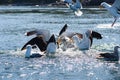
x: 114, y: 22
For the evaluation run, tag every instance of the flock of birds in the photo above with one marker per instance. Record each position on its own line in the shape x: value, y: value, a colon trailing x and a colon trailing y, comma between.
x: 48, y: 43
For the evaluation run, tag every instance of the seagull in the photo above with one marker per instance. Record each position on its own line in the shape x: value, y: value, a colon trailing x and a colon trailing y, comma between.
x: 113, y: 9
x: 63, y: 29
x: 76, y: 7
x: 66, y: 38
x: 51, y: 45
x: 110, y: 56
x: 47, y: 47
x: 84, y: 41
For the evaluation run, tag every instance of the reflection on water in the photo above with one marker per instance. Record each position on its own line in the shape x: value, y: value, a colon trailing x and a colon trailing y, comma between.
x: 66, y: 65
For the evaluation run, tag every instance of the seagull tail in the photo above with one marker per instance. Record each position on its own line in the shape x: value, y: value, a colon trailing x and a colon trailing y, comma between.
x: 78, y: 13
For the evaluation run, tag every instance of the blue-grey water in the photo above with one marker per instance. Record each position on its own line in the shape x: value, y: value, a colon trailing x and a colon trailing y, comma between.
x: 66, y: 65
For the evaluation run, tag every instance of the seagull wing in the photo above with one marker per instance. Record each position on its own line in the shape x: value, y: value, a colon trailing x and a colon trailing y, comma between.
x: 31, y: 42
x: 76, y: 8
x: 38, y: 41
x: 96, y: 35
x: 68, y: 1
x: 63, y: 29
x: 107, y: 55
x: 116, y: 4
x: 78, y: 4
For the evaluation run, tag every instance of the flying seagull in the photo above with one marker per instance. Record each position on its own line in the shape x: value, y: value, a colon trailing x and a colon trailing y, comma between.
x: 113, y: 9
x: 76, y: 7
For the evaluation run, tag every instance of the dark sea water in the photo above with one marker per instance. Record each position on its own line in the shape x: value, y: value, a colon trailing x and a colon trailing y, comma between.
x: 66, y: 65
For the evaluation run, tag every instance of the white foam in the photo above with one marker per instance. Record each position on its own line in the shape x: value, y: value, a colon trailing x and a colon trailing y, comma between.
x: 70, y: 52
x: 104, y: 26
x: 108, y: 25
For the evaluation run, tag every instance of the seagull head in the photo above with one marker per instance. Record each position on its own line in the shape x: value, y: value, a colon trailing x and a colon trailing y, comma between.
x: 30, y: 33
x: 104, y: 4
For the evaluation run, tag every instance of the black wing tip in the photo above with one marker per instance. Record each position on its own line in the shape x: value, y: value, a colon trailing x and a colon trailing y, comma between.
x: 52, y: 39
x: 65, y: 26
x: 63, y: 29
x: 31, y: 42
x: 23, y: 49
x: 96, y: 35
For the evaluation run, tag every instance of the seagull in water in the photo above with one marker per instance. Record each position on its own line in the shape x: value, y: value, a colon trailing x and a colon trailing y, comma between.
x: 67, y: 38
x: 113, y: 9
x: 84, y: 42
x: 64, y: 37
x: 76, y: 7
x: 48, y: 47
x: 110, y: 56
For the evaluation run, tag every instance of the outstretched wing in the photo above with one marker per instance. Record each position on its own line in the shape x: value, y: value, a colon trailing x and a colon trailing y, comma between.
x: 107, y: 55
x: 63, y: 29
x: 116, y: 4
x: 96, y: 35
x: 78, y: 4
x: 38, y: 41
x: 67, y: 1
